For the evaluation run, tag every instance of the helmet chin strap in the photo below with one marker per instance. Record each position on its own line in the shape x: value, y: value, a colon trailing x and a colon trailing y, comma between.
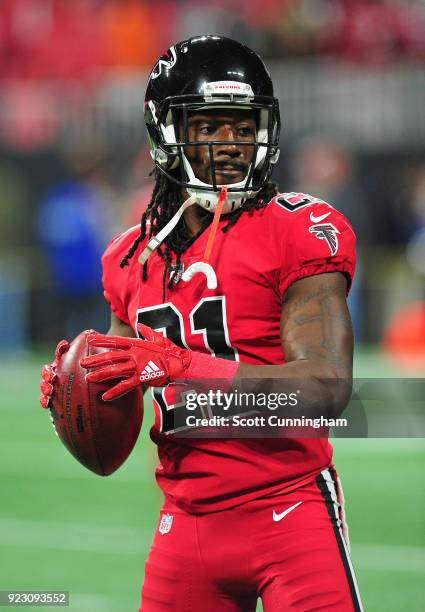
x: 199, y: 266
x: 156, y: 240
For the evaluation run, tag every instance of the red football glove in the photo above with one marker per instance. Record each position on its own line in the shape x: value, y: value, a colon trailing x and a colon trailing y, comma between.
x: 48, y: 375
x: 154, y: 361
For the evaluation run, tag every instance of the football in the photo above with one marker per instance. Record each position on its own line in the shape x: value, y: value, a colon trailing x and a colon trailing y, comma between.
x: 99, y: 434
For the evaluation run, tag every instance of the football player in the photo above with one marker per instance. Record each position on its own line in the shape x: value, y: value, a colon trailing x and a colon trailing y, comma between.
x: 258, y: 294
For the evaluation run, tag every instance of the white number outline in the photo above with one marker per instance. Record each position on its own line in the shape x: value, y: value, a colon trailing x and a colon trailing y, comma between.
x: 203, y: 330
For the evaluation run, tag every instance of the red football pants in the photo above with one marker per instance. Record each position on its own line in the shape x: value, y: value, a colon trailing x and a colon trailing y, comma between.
x: 289, y: 549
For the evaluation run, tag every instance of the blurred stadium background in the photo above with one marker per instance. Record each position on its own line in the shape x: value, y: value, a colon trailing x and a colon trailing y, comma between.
x: 74, y: 170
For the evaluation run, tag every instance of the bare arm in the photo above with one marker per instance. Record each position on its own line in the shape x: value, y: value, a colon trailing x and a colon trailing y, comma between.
x: 317, y: 341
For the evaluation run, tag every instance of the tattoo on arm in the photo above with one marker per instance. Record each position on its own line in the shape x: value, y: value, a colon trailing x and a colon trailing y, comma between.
x: 316, y: 324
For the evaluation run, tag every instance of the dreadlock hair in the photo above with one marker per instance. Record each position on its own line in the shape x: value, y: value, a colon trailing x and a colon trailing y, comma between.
x: 165, y: 201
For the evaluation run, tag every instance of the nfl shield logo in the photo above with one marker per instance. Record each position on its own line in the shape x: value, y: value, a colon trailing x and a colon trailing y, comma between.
x: 166, y: 523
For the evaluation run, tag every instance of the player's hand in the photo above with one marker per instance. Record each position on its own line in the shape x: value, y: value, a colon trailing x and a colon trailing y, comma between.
x: 153, y: 361
x: 48, y: 375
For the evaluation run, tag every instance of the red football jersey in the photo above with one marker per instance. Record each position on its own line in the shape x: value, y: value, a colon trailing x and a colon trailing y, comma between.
x: 294, y: 236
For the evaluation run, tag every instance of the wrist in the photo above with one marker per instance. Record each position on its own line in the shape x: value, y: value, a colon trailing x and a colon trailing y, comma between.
x: 216, y: 369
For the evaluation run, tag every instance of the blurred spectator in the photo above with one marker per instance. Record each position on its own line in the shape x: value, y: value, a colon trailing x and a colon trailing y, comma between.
x: 139, y: 188
x: 411, y: 215
x: 408, y: 209
x: 379, y: 31
x: 194, y: 19
x: 50, y: 39
x: 136, y: 32
x: 302, y: 24
x: 82, y: 38
x: 74, y: 227
x: 15, y: 231
x: 403, y: 340
x: 28, y: 121
x: 325, y: 168
x: 414, y: 201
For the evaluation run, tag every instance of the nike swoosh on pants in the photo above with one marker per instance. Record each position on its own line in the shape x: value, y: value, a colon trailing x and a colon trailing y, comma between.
x: 278, y: 517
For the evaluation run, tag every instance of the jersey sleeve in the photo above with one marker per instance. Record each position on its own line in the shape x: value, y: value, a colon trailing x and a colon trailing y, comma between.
x: 319, y: 239
x: 116, y: 279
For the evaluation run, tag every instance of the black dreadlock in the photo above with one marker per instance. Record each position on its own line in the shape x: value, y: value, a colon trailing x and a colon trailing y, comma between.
x: 166, y: 200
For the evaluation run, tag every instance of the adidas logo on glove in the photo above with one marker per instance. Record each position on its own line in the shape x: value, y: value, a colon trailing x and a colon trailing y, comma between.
x: 150, y: 371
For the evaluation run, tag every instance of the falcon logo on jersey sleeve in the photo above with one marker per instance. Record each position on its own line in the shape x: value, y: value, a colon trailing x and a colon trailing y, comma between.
x: 328, y: 232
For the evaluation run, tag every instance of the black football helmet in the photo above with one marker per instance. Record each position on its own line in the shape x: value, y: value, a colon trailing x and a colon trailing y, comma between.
x: 210, y: 72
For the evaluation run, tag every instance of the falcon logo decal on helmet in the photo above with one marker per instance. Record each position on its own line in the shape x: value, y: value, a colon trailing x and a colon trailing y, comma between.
x: 167, y: 63
x: 328, y: 232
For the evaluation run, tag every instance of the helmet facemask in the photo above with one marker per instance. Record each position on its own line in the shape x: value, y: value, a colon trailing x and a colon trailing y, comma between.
x: 168, y: 134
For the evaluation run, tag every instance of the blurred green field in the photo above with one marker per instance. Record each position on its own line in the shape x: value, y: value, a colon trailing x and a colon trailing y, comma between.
x: 62, y: 527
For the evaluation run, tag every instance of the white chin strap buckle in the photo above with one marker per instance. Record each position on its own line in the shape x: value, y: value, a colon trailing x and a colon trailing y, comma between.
x: 205, y: 268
